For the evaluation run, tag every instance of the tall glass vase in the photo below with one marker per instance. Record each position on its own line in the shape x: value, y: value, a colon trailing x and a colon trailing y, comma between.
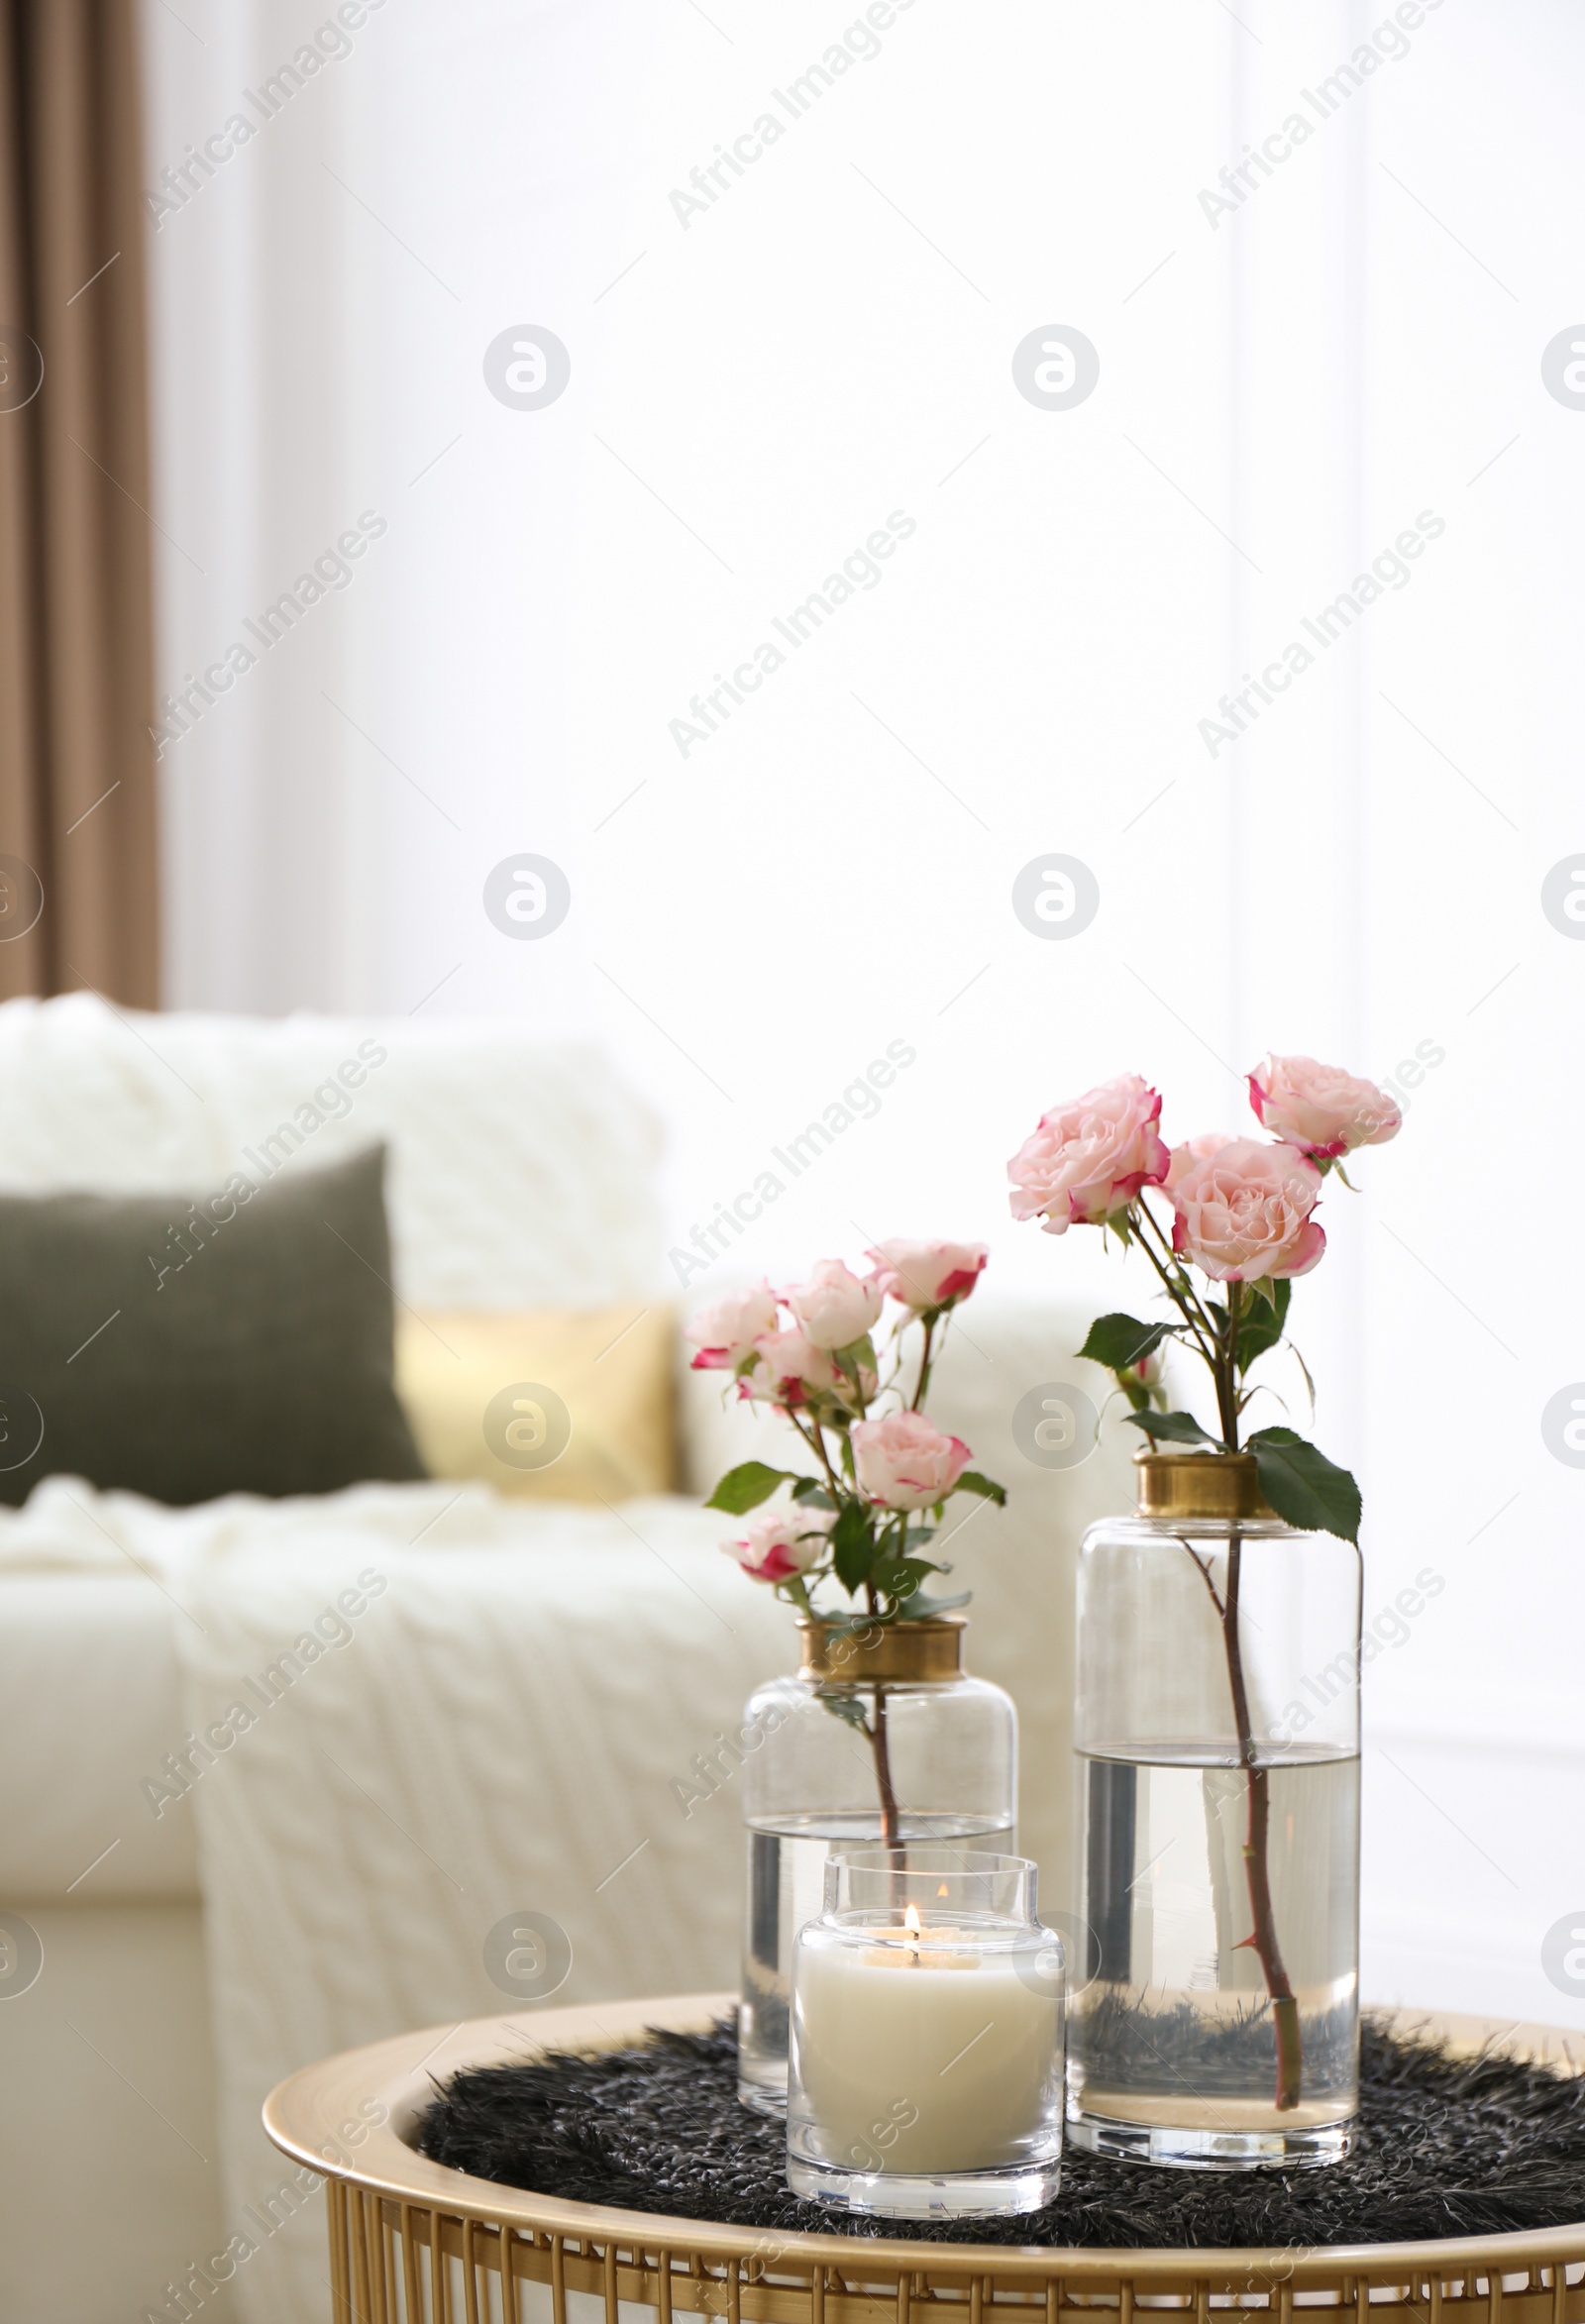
x: 1216, y: 1729
x: 882, y: 1741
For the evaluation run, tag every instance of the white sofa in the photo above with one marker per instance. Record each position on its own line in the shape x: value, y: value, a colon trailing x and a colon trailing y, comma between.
x: 521, y: 1174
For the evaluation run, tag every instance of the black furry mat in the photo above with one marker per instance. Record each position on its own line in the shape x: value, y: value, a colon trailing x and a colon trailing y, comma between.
x: 1444, y: 2147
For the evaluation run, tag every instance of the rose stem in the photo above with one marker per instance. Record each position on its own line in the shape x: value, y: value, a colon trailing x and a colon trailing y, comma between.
x: 883, y: 1756
x: 1284, y: 2008
x: 1257, y: 1870
x: 883, y: 1770
x: 924, y: 1381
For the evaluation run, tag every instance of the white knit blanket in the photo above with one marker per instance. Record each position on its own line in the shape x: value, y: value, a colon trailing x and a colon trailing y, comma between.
x: 492, y: 1725
x: 521, y: 1171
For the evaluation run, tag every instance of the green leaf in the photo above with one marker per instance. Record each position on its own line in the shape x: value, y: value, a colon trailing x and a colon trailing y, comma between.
x: 1261, y: 1328
x: 1120, y: 1341
x: 846, y: 1707
x: 746, y: 1485
x: 901, y: 1577
x: 1304, y: 1486
x: 1172, y: 1429
x: 813, y: 1494
x: 919, y: 1608
x: 987, y: 1488
x: 852, y: 1546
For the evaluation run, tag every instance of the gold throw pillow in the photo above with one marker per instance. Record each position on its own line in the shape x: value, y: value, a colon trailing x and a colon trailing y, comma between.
x: 555, y: 1404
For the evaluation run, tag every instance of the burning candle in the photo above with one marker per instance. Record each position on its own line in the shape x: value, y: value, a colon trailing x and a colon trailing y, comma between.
x: 925, y: 2068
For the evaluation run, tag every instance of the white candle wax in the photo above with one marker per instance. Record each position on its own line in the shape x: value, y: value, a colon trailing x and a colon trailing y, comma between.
x: 923, y: 2060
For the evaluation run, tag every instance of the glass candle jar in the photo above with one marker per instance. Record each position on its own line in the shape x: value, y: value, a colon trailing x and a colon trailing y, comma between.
x: 1216, y: 1727
x: 925, y: 2070
x: 882, y: 1738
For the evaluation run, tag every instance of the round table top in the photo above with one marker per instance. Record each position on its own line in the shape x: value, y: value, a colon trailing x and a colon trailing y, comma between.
x: 321, y: 2116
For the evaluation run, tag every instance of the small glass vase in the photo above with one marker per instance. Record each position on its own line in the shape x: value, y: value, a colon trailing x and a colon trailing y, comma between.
x: 1216, y: 1730
x: 925, y: 2074
x: 882, y: 1738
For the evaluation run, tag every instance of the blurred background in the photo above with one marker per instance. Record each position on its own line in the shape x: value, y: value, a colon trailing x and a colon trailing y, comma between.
x: 508, y: 346
x: 1291, y: 368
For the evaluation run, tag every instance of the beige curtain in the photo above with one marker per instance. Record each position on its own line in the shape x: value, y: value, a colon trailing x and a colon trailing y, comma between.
x: 78, y: 859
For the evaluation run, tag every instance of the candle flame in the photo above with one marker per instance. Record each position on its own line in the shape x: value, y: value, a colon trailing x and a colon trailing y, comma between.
x: 942, y: 1891
x: 910, y: 1920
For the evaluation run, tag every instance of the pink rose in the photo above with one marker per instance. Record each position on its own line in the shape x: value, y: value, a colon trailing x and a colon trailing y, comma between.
x: 1321, y: 1109
x: 1195, y: 1150
x: 790, y: 1368
x: 1244, y: 1212
x: 725, y: 1330
x: 1091, y: 1158
x: 921, y: 1274
x: 779, y: 1543
x: 906, y: 1462
x: 836, y: 1307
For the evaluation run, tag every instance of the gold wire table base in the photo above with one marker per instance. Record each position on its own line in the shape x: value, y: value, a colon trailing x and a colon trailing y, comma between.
x: 413, y: 2243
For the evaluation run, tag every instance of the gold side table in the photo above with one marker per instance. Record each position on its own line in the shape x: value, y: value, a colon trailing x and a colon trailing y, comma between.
x: 414, y: 2242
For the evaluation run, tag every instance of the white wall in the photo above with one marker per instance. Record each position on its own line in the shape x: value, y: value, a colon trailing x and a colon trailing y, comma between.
x: 1281, y: 393
x: 1473, y: 1280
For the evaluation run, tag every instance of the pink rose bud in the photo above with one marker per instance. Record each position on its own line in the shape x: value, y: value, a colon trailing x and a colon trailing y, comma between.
x: 1244, y: 1212
x: 1321, y: 1109
x: 836, y: 1307
x: 906, y: 1461
x: 788, y: 1370
x: 1090, y: 1159
x: 726, y: 1329
x: 856, y: 1395
x: 921, y: 1274
x: 779, y: 1543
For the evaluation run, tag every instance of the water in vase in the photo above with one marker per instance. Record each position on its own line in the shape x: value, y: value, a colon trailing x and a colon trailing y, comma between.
x: 785, y: 1889
x: 1176, y: 2047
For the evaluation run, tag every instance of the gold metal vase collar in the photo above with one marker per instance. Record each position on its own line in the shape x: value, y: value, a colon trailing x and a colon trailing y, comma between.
x: 1199, y: 1484
x: 904, y: 1650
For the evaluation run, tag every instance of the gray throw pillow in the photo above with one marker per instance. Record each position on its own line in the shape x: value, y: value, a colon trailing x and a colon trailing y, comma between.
x: 182, y: 1349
